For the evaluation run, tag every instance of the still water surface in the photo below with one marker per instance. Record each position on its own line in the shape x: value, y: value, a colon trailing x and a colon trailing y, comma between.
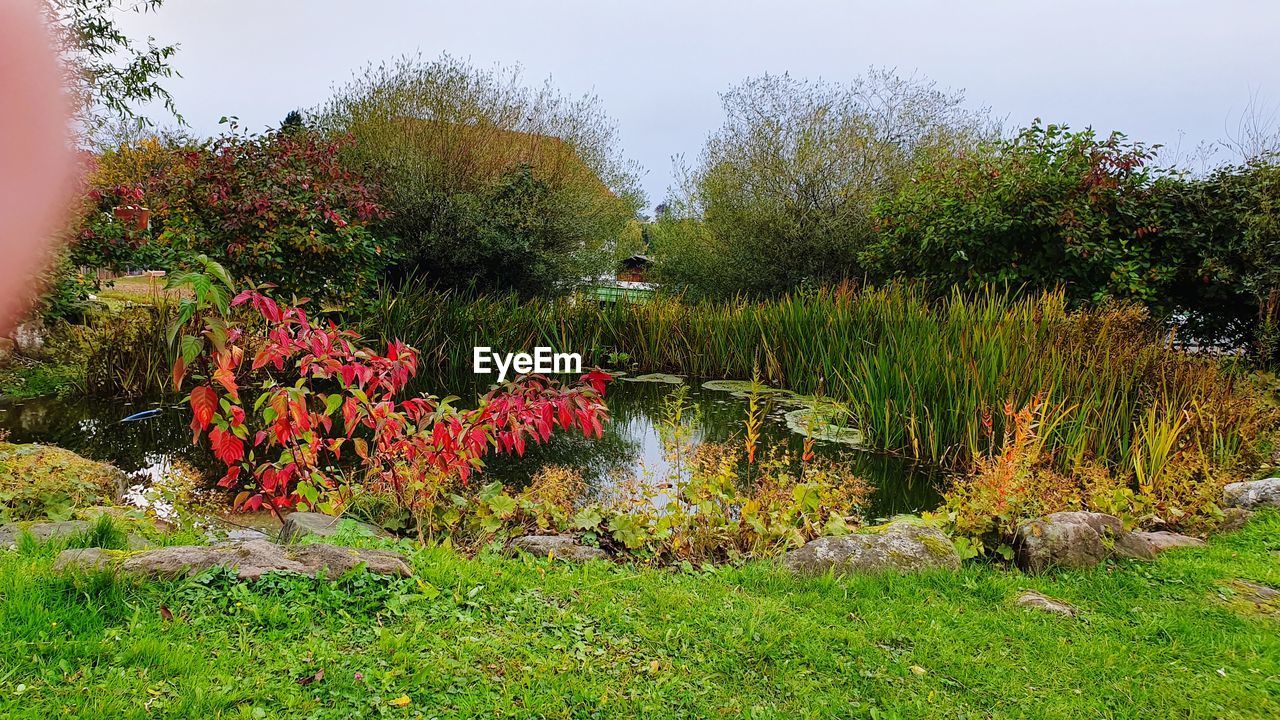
x: 631, y: 445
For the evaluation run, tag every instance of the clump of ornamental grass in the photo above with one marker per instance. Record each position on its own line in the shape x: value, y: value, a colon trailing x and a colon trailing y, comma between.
x: 1172, y: 479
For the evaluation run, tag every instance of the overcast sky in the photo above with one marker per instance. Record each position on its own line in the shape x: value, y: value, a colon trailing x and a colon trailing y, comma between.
x: 1176, y: 72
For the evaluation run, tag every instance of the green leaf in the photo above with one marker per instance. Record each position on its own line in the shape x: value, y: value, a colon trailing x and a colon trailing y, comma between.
x: 502, y: 505
x: 332, y: 403
x: 588, y: 518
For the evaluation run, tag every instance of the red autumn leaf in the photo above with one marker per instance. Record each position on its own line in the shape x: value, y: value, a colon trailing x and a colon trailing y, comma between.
x: 225, y: 374
x: 227, y: 447
x: 179, y: 371
x: 350, y: 413
x: 229, y: 480
x: 204, y: 402
x: 598, y: 379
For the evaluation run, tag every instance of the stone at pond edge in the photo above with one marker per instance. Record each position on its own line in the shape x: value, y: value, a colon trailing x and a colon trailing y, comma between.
x: 563, y: 547
x: 300, y: 524
x: 1252, y: 494
x: 51, y: 531
x: 1065, y: 540
x: 1251, y: 597
x: 251, y: 560
x: 1146, y: 545
x: 1044, y: 603
x: 84, y: 559
x: 1233, y: 519
x: 41, y: 531
x: 29, y: 337
x: 1081, y: 540
x: 900, y: 546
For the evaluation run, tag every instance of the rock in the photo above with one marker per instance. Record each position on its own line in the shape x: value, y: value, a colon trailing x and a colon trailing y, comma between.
x: 1036, y: 601
x: 1253, y: 494
x: 32, y: 474
x: 1255, y: 593
x: 84, y: 559
x: 1251, y: 597
x: 1146, y: 545
x: 41, y: 531
x: 1065, y: 540
x: 298, y: 525
x: 57, y: 531
x: 1233, y: 518
x: 28, y: 338
x: 254, y: 558
x: 901, y: 546
x: 7, y: 347
x: 336, y: 560
x: 563, y: 547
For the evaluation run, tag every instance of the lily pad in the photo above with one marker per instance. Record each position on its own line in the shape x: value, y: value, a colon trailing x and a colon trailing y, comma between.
x: 743, y: 388
x: 656, y: 378
x: 820, y: 423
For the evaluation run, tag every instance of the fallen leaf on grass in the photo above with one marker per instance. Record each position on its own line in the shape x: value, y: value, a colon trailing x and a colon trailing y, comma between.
x: 308, y: 679
x: 400, y: 701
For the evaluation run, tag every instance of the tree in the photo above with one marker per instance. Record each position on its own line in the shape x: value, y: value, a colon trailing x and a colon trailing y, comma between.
x: 108, y: 73
x: 783, y: 190
x: 488, y: 181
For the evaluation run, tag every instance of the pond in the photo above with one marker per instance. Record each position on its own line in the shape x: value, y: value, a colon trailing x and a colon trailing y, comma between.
x: 631, y: 446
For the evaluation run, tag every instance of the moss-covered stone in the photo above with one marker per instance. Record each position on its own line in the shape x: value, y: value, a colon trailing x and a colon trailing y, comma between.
x: 898, y: 547
x: 1250, y: 598
x: 39, y: 482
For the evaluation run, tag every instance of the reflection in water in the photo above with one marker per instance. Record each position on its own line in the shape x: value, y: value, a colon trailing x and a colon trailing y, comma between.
x: 630, y: 447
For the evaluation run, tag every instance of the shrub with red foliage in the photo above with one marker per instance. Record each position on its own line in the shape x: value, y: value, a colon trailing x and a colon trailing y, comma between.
x: 320, y: 398
x: 278, y: 207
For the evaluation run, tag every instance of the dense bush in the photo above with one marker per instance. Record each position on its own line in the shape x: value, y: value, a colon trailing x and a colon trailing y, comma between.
x: 1225, y: 229
x: 1053, y: 207
x: 1048, y: 207
x: 277, y: 207
x: 1172, y: 481
x: 488, y: 182
x: 782, y: 193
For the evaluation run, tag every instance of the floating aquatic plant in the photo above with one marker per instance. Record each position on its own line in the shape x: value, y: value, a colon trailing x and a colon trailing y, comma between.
x: 656, y: 378
x: 823, y: 422
x: 743, y: 388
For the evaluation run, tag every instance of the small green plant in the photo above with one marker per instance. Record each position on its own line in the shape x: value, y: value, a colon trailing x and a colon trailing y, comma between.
x: 674, y: 429
x: 103, y: 533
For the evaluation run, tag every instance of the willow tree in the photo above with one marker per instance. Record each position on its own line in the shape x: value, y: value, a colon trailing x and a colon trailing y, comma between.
x: 781, y: 194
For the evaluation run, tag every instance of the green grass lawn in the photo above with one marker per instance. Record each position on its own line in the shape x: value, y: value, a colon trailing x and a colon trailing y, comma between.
x: 492, y: 637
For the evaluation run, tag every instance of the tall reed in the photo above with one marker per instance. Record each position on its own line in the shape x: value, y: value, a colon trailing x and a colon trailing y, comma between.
x: 920, y: 375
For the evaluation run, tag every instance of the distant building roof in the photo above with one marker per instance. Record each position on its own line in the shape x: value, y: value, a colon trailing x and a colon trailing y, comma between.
x: 637, y: 261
